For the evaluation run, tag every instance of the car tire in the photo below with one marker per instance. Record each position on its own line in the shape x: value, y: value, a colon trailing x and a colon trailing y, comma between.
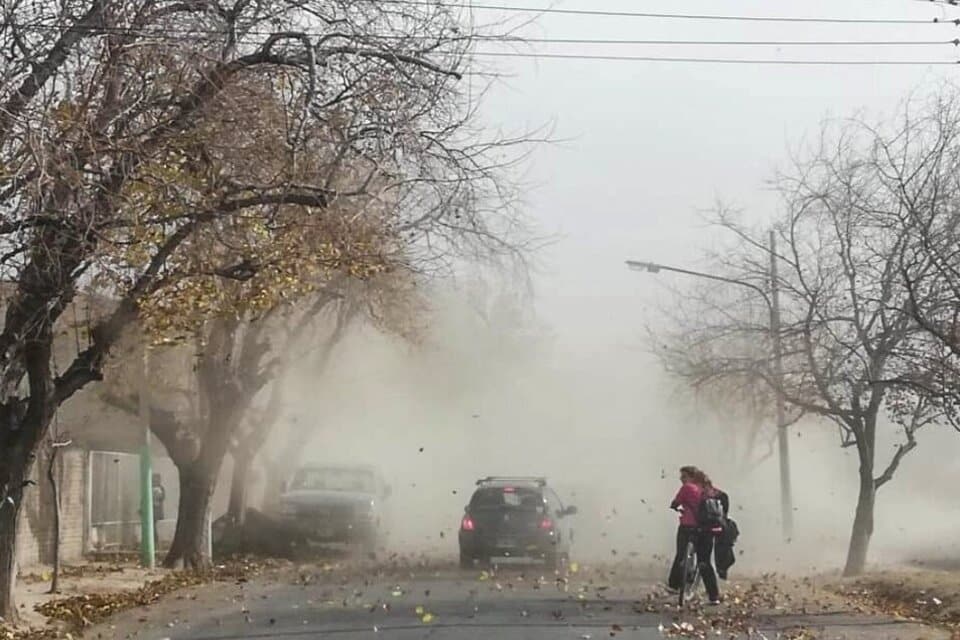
x: 466, y: 560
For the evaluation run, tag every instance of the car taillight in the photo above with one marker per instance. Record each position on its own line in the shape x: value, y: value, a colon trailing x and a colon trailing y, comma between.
x: 546, y: 524
x: 467, y: 523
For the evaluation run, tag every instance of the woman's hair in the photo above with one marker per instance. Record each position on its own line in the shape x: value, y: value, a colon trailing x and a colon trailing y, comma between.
x: 691, y: 471
x: 703, y: 480
x: 699, y: 478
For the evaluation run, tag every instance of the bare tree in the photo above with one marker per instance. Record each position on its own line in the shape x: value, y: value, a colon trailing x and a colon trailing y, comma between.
x: 131, y: 142
x: 744, y: 405
x: 915, y: 160
x: 742, y: 399
x: 847, y: 330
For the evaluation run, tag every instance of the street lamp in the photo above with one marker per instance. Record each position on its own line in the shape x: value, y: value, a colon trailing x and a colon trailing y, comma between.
x: 653, y: 267
x: 773, y: 304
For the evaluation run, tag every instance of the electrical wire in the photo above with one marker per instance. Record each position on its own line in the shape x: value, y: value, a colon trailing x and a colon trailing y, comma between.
x: 738, y: 43
x: 669, y: 16
x: 184, y: 32
x: 768, y: 61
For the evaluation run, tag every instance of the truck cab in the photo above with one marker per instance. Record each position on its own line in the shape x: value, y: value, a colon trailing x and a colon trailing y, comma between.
x: 337, y: 504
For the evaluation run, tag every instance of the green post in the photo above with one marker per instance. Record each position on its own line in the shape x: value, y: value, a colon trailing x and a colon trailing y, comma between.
x: 147, y: 550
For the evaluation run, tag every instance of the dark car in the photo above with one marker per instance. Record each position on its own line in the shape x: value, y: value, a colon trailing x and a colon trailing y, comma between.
x: 337, y: 504
x: 515, y: 518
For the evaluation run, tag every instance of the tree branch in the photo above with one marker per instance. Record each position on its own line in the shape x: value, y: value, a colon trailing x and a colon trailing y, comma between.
x: 902, y: 450
x: 49, y: 66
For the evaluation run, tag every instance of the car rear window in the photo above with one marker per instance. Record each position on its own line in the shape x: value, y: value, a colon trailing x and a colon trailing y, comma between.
x: 510, y: 497
x: 333, y: 479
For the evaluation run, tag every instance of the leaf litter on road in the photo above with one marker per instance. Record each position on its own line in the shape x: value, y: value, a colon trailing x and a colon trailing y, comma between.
x: 84, y: 610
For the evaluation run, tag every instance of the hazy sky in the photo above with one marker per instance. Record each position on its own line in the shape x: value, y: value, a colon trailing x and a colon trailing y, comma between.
x: 651, y: 145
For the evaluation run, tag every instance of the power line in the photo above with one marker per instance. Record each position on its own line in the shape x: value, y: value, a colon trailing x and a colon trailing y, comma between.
x: 605, y: 13
x: 769, y: 61
x: 670, y: 16
x: 772, y: 43
x: 185, y: 31
x: 516, y: 40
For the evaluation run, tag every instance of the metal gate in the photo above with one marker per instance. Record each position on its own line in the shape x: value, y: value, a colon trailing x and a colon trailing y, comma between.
x: 114, y: 500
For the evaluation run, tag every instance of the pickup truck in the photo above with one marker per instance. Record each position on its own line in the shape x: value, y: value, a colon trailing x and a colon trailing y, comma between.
x: 338, y: 504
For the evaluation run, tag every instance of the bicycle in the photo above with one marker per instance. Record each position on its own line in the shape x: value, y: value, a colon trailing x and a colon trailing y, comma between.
x: 691, y: 568
x: 691, y: 572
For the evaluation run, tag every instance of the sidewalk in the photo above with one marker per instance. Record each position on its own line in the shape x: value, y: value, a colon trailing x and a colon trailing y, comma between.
x: 91, y: 593
x: 82, y: 580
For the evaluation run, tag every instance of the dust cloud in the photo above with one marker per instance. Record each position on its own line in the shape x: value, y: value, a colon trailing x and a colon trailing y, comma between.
x: 485, y: 397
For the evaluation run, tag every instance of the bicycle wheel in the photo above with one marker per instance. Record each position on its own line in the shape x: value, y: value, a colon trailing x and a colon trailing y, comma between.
x: 691, y: 573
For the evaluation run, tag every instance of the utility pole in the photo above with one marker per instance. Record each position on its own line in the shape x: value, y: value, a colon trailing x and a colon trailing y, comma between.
x: 200, y: 409
x: 786, y: 492
x: 147, y: 550
x: 772, y: 299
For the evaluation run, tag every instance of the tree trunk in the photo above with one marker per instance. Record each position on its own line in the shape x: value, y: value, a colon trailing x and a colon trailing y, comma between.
x: 198, y: 480
x: 44, y: 289
x: 14, y: 469
x: 55, y: 493
x: 20, y: 439
x: 8, y: 560
x: 239, y: 486
x: 279, y: 468
x: 252, y: 446
x: 273, y: 485
x: 862, y: 524
x: 197, y: 483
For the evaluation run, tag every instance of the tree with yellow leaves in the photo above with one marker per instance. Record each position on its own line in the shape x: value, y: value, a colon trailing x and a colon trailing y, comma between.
x: 203, y: 160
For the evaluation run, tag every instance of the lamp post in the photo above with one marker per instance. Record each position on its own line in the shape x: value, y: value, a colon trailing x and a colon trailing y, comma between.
x: 773, y: 304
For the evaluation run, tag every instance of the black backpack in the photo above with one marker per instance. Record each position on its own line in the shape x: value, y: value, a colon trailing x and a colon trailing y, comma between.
x: 710, y: 512
x: 730, y: 533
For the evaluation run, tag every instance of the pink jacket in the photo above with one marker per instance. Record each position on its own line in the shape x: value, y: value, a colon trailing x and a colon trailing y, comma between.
x: 689, y: 498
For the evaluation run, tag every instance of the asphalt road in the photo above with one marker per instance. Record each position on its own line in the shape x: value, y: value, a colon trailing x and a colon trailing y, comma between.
x: 440, y: 604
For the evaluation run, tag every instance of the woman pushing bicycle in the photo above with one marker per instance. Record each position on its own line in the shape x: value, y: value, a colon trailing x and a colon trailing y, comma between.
x: 703, y: 509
